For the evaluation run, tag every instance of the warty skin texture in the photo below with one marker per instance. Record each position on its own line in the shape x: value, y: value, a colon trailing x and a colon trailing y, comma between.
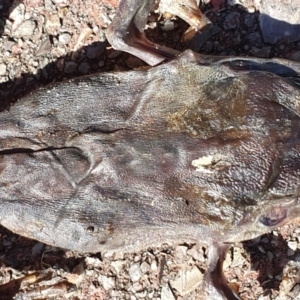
x: 196, y: 149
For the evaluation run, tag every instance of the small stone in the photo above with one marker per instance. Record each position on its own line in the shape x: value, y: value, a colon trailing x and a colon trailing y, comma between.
x: 84, y: 68
x: 293, y: 245
x: 297, y: 257
x: 44, y: 48
x: 95, y: 29
x: 166, y: 293
x: 95, y: 51
x: 263, y: 52
x: 168, y: 25
x: 70, y: 67
x: 118, y: 265
x: 278, y: 277
x: 154, y: 265
x: 137, y: 287
x: 180, y: 252
x: 187, y: 280
x: 228, y: 260
x: 90, y: 273
x: 137, y: 258
x: 135, y: 272
x: 255, y: 39
x: 107, y: 282
x: 18, y: 12
x: 151, y: 294
x: 9, y: 45
x: 290, y: 252
x: 246, y: 47
x: 251, y: 9
x: 231, y: 20
x: 249, y: 20
x: 26, y: 29
x: 60, y: 64
x: 295, y: 56
x: 196, y: 253
x: 84, y: 35
x: 101, y: 63
x: 141, y: 295
x: 270, y: 255
x: 116, y: 294
x: 2, y: 69
x: 60, y: 1
x: 77, y: 275
x: 64, y: 38
x: 291, y: 275
x: 52, y: 24
x: 238, y: 258
x: 93, y: 262
x: 49, y: 5
x: 38, y: 247
x: 145, y: 267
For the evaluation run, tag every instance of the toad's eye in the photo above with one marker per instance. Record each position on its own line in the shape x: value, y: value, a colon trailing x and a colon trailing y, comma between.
x: 273, y: 216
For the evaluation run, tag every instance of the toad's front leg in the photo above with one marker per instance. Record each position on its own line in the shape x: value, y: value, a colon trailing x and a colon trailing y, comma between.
x: 126, y: 31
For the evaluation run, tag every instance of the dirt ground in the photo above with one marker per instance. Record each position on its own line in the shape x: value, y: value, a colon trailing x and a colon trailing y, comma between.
x: 44, y: 41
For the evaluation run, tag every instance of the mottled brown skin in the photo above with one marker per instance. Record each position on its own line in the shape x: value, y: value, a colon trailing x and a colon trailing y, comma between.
x: 199, y: 149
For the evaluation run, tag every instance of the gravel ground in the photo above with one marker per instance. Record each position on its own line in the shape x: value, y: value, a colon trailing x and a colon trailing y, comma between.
x: 43, y: 41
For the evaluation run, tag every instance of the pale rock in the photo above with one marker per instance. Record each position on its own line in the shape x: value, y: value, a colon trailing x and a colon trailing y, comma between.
x: 64, y: 38
x: 196, y: 253
x: 168, y: 25
x: 145, y: 267
x: 154, y: 265
x: 93, y: 262
x: 137, y: 287
x: 2, y: 69
x: 293, y: 245
x: 18, y: 12
x: 141, y: 295
x: 180, y: 252
x: 135, y: 272
x: 238, y: 258
x: 166, y: 293
x: 291, y: 275
x: 26, y: 29
x: 77, y: 274
x: 107, y: 282
x: 187, y: 281
x: 118, y: 265
x: 227, y: 261
x: 52, y: 24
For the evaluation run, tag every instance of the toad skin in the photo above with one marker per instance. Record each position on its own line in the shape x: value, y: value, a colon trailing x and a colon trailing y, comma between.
x: 200, y: 149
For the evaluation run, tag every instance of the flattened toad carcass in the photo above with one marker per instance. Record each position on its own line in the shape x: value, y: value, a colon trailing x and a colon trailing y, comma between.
x: 199, y: 149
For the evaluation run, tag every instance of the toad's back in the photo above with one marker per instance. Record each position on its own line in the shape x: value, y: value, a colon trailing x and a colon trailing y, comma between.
x: 196, y: 147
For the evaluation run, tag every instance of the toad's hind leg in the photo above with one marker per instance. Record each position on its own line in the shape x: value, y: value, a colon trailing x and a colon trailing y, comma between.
x: 215, y: 282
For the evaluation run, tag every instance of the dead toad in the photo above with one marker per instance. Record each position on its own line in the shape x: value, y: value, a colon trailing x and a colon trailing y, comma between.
x: 199, y: 149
